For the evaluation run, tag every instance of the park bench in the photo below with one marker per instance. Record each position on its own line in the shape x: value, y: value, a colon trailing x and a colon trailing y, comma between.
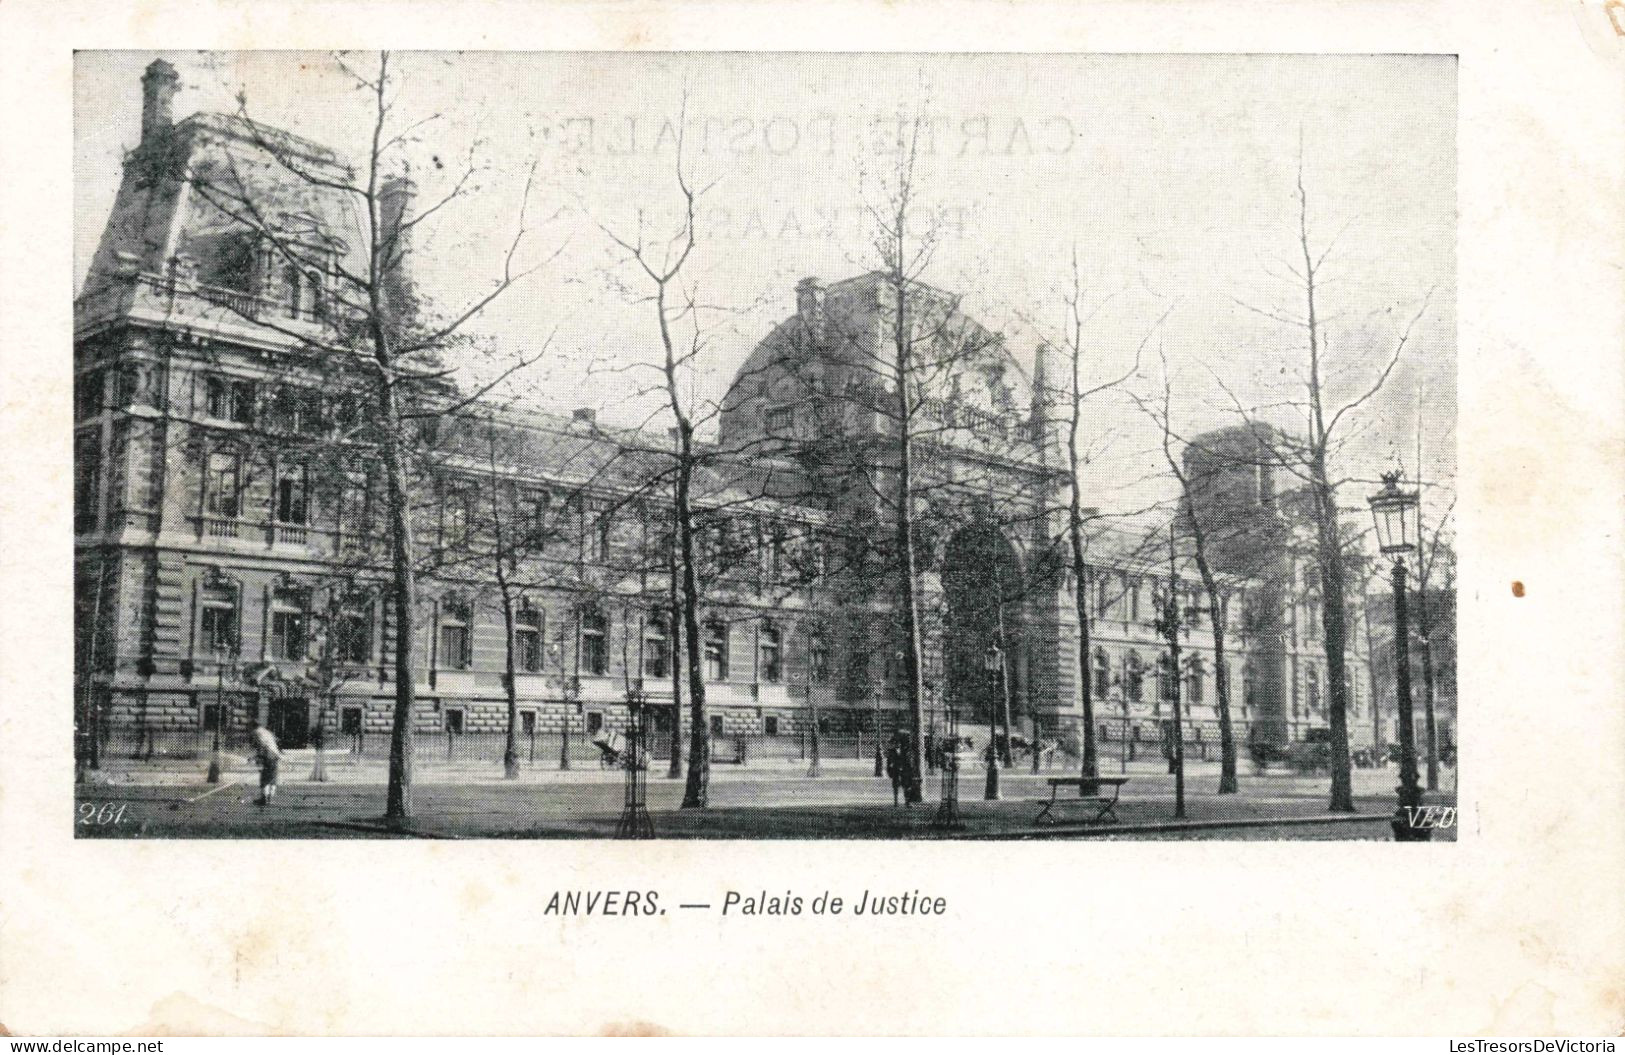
x: 1091, y: 792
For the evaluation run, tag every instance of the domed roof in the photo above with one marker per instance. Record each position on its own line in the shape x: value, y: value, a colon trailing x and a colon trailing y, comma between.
x: 846, y: 328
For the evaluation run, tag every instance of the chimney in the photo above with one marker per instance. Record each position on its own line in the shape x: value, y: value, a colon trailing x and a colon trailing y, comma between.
x: 810, y: 302
x: 586, y: 415
x: 1039, y: 420
x: 395, y: 199
x: 158, y: 87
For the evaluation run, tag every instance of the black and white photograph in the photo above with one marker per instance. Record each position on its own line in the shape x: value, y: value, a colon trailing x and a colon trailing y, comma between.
x: 755, y: 518
x: 755, y: 446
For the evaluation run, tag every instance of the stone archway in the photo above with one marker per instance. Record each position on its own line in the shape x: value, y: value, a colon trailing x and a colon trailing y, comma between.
x: 979, y: 569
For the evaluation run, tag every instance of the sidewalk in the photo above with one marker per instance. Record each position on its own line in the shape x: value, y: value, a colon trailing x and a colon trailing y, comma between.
x: 743, y: 805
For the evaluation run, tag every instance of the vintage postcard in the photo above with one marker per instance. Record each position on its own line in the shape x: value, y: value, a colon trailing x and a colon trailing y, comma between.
x: 678, y: 492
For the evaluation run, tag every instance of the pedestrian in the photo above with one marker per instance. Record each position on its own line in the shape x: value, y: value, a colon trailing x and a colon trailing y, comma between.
x: 268, y: 755
x: 896, y: 763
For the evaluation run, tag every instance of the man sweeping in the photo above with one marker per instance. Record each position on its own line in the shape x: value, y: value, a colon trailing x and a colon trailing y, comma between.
x: 268, y: 755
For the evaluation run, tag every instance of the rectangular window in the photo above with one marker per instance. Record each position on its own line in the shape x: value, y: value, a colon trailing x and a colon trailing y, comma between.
x: 287, y: 635
x: 716, y: 725
x: 860, y: 668
x: 355, y: 513
x: 454, y: 650
x: 527, y: 640
x: 350, y: 721
x: 818, y: 659
x: 454, y: 517
x: 768, y: 665
x: 527, y: 722
x: 540, y: 505
x: 656, y: 647
x: 229, y: 400
x: 221, y: 485
x: 292, y: 504
x: 87, y: 478
x: 781, y: 421
x: 603, y: 529
x: 217, y: 629
x: 594, y: 644
x: 87, y: 393
x: 211, y: 717
x: 595, y: 721
x: 354, y: 637
x: 453, y: 720
x: 716, y: 651
x: 770, y: 725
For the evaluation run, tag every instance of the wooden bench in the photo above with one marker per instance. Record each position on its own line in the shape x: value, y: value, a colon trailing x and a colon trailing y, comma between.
x: 1107, y: 804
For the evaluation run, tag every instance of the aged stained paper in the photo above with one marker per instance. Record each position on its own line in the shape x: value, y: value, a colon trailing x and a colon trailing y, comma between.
x: 1515, y: 926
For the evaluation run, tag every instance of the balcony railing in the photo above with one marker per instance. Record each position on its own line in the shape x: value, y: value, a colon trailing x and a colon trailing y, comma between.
x: 164, y: 294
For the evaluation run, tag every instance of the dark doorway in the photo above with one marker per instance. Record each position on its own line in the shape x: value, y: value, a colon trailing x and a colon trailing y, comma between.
x: 289, y: 722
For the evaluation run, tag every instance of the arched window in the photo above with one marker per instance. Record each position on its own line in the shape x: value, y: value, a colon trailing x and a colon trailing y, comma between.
x: 1102, y: 675
x: 1133, y: 678
x: 317, y: 304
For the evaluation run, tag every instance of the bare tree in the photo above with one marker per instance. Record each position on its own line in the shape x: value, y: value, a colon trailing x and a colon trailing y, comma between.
x: 406, y: 344
x: 1431, y: 554
x: 1079, y: 392
x: 1200, y: 531
x: 662, y: 266
x: 1309, y: 459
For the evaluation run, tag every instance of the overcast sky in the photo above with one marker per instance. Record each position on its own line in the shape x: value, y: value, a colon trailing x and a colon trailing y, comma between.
x: 1173, y: 178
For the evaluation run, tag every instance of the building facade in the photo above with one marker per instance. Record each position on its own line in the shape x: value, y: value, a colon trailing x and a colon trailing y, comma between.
x: 228, y: 553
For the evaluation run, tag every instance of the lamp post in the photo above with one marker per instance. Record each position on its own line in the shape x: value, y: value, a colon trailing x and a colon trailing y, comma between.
x: 993, y: 663
x: 635, y: 822
x: 222, y: 647
x: 224, y: 644
x: 1170, y: 623
x: 1395, y: 512
x: 880, y: 758
x: 930, y: 725
x: 948, y: 818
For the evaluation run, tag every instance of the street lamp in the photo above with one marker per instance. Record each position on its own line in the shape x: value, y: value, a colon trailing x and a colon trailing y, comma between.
x: 993, y: 663
x: 223, y: 644
x: 1395, y: 512
x: 1170, y: 622
x: 222, y: 648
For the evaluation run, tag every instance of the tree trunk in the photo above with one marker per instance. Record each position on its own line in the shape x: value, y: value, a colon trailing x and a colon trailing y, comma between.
x: 1334, y: 625
x: 913, y: 773
x: 398, y: 801
x: 1379, y: 750
x: 510, y: 750
x: 674, y: 629
x: 696, y: 792
x: 1217, y: 612
x: 1080, y: 574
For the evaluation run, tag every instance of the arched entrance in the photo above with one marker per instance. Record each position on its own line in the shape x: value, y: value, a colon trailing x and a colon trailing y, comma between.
x: 983, y: 584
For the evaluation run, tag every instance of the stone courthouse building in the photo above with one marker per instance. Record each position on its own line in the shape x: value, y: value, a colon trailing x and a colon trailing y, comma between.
x: 228, y: 562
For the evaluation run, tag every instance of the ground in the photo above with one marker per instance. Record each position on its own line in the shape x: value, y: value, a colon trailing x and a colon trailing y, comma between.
x: 846, y: 802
